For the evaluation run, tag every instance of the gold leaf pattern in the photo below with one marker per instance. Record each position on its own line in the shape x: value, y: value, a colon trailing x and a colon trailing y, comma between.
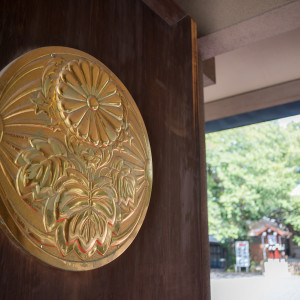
x: 124, y: 182
x: 89, y: 102
x: 42, y: 165
x: 75, y: 160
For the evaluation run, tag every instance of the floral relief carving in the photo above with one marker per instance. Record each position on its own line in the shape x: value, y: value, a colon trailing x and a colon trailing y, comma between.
x: 79, y: 203
x: 124, y: 181
x: 41, y: 166
x: 83, y: 167
x: 86, y: 214
x: 89, y: 102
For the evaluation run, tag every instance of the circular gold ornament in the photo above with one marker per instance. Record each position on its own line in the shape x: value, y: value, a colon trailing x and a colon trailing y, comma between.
x: 75, y: 159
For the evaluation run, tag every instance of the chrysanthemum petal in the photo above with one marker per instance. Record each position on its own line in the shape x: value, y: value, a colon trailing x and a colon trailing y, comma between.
x: 76, y: 116
x: 71, y: 92
x: 83, y: 127
x: 93, y: 131
x: 78, y: 73
x: 86, y: 70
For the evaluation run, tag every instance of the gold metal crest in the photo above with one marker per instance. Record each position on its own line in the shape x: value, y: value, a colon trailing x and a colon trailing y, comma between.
x: 75, y: 159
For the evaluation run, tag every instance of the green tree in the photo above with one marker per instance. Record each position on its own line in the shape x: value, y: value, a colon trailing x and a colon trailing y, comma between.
x: 251, y: 171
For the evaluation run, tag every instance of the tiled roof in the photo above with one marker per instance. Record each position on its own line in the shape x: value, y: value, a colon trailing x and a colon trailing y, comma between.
x: 257, y: 228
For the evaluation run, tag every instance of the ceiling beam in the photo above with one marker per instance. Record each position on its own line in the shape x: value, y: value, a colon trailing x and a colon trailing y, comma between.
x: 269, y: 24
x: 282, y: 93
x: 209, y: 72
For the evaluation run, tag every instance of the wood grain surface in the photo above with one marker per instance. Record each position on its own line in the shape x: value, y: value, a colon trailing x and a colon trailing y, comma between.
x: 169, y: 257
x: 168, y: 10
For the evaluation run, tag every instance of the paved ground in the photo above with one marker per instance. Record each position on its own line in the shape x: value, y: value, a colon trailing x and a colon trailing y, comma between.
x: 254, y: 287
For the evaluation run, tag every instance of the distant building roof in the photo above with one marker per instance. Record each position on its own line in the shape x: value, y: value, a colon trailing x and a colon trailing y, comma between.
x: 257, y: 228
x: 212, y: 239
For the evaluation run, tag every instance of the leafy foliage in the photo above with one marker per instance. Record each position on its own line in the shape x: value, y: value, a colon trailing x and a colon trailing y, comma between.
x: 250, y: 172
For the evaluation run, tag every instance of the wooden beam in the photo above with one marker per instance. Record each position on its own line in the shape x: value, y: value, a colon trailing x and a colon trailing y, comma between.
x: 255, y: 100
x: 275, y: 22
x: 168, y: 10
x: 209, y: 72
x: 199, y: 125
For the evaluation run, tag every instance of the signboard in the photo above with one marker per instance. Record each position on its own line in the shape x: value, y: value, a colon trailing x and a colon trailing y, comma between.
x: 242, y: 254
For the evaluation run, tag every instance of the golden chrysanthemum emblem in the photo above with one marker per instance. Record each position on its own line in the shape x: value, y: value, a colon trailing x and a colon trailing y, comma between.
x: 75, y: 163
x: 89, y: 102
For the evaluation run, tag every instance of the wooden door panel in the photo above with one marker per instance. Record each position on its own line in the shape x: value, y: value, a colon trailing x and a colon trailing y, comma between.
x: 168, y: 259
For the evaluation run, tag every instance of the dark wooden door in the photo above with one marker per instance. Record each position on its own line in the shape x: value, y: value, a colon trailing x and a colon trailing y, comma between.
x: 158, y: 64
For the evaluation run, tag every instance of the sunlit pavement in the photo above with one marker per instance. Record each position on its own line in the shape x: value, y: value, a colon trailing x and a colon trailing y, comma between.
x: 254, y: 287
